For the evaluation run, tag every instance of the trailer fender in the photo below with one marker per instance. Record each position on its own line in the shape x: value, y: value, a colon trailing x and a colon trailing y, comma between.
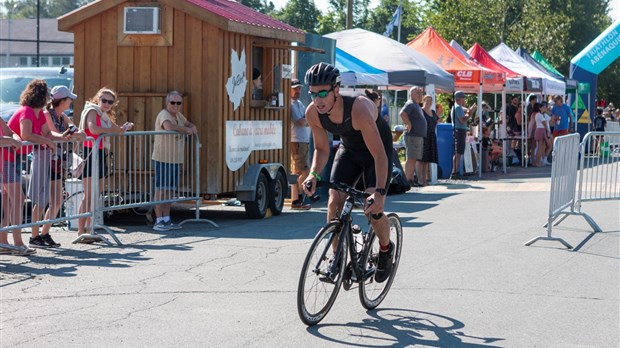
x: 246, y: 191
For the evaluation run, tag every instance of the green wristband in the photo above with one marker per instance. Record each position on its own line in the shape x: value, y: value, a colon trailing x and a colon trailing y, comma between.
x: 316, y: 176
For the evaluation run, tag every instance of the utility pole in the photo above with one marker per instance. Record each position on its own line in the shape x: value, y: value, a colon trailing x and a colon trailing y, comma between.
x: 38, y: 33
x: 349, y: 14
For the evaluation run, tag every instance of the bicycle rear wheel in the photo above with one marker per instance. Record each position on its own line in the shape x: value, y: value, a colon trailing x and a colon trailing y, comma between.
x: 371, y: 292
x: 321, y: 275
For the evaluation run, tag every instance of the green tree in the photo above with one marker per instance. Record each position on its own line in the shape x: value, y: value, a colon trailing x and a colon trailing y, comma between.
x: 47, y: 8
x: 334, y: 19
x: 301, y: 14
x: 411, y: 25
x: 263, y: 6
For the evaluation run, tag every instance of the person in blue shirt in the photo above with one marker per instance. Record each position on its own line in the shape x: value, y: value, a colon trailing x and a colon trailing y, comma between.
x: 562, y: 114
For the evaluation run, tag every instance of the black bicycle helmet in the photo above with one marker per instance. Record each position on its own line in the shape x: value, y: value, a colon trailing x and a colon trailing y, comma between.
x: 322, y: 74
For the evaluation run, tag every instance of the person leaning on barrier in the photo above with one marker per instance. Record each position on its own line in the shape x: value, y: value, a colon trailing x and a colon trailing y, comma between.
x: 168, y: 154
x: 29, y: 124
x: 10, y: 187
x: 59, y: 123
x: 97, y: 118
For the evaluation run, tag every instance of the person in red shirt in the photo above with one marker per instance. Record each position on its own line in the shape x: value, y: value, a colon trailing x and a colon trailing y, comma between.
x: 97, y: 118
x: 29, y: 124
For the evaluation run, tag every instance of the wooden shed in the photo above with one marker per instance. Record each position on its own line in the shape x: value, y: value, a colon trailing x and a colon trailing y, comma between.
x: 143, y: 49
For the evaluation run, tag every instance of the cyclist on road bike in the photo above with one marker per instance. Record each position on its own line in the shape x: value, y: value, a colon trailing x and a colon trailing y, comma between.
x: 365, y: 150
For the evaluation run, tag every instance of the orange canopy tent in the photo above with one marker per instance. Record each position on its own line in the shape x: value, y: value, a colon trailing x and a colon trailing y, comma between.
x: 468, y: 75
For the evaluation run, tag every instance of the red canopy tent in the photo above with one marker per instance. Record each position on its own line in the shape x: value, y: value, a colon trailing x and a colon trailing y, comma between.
x: 483, y: 57
x: 468, y: 75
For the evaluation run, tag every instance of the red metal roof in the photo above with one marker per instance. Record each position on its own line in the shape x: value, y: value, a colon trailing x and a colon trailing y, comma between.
x: 237, y: 12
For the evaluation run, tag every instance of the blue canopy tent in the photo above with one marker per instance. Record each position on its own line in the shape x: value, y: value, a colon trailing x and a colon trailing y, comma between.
x: 356, y: 72
x: 587, y: 64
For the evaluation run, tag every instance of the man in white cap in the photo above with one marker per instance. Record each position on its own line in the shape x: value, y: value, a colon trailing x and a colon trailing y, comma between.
x: 300, y: 142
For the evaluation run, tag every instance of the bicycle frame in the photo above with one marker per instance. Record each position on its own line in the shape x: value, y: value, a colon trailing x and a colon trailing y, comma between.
x: 345, y: 221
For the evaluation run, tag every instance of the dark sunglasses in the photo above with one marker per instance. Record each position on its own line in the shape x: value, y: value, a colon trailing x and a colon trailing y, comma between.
x: 176, y: 103
x: 107, y: 101
x: 321, y: 94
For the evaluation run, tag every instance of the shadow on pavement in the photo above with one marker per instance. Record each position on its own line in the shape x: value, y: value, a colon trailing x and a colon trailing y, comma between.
x: 64, y: 263
x: 391, y: 327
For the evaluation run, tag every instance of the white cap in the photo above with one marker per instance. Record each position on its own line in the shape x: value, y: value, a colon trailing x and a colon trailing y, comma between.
x: 62, y: 92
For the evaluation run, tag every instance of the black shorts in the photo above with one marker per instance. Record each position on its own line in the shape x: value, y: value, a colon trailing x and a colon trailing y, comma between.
x: 349, y: 166
x: 88, y: 167
x: 460, y: 135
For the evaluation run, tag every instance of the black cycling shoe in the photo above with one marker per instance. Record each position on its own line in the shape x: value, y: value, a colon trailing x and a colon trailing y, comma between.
x: 384, y: 265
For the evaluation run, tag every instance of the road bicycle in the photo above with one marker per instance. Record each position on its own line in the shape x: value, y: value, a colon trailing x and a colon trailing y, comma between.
x: 326, y: 268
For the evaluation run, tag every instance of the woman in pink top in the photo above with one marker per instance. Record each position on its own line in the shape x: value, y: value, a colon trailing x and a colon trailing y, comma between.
x: 29, y: 124
x: 97, y: 118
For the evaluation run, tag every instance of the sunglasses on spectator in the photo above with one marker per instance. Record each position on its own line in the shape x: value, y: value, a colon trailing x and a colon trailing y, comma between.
x: 321, y: 94
x: 175, y: 103
x: 107, y: 101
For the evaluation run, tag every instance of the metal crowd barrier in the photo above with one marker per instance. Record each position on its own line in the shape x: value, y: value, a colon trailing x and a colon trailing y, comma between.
x: 38, y: 193
x: 563, y: 181
x: 595, y: 179
x: 129, y: 180
x: 599, y: 169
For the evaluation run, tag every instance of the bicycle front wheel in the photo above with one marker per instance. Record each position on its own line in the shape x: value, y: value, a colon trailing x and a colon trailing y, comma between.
x: 371, y: 292
x: 321, y: 275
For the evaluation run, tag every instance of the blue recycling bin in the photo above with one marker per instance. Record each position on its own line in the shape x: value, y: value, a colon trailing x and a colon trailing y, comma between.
x: 445, y: 148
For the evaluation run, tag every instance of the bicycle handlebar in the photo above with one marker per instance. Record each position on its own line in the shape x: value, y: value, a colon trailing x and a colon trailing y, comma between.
x: 357, y: 194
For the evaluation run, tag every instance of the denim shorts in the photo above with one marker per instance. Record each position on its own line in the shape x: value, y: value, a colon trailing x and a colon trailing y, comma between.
x: 166, y: 175
x: 10, y: 172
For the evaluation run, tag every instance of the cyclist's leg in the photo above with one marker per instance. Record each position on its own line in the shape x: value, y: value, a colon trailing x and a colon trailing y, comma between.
x: 381, y: 226
x: 344, y: 170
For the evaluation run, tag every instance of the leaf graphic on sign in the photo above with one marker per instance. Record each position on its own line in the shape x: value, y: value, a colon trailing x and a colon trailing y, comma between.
x: 235, y: 86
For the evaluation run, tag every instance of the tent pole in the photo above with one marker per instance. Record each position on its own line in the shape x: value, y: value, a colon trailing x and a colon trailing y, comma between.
x: 503, y: 131
x: 480, y: 130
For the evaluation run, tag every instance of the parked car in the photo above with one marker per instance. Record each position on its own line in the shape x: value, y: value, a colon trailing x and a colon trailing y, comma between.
x: 14, y: 80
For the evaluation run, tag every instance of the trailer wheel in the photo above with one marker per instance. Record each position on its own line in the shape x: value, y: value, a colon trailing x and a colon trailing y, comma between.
x: 257, y: 208
x: 279, y: 190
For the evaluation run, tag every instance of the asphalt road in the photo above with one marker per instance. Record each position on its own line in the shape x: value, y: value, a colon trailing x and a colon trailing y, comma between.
x: 465, y: 279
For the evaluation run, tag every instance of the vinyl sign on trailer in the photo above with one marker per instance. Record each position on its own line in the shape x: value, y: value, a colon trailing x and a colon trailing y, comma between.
x: 243, y: 137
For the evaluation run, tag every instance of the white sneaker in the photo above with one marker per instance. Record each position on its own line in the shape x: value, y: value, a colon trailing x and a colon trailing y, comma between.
x: 161, y: 226
x: 172, y: 226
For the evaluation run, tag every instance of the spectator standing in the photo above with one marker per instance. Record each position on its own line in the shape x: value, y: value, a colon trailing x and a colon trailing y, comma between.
x: 562, y: 115
x: 540, y: 134
x: 11, y: 189
x: 97, y: 118
x: 28, y: 123
x: 544, y: 109
x: 300, y: 143
x: 429, y: 153
x: 385, y: 109
x: 459, y: 115
x: 168, y: 155
x: 58, y: 123
x: 415, y: 123
x: 599, y: 123
x: 512, y: 115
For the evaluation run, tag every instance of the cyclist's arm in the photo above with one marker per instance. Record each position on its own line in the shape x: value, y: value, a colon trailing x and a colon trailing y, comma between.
x: 321, y: 142
x: 365, y: 120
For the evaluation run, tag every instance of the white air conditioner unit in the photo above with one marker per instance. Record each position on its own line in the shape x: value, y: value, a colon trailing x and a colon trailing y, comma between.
x: 142, y: 20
